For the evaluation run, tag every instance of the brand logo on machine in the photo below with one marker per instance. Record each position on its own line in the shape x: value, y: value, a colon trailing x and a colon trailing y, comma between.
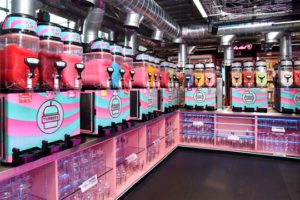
x: 199, y: 96
x: 297, y: 98
x: 249, y: 98
x: 50, y: 116
x: 150, y: 100
x: 115, y: 106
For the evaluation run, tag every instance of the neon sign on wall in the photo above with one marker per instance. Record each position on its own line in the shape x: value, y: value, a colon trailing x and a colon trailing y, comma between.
x: 243, y: 47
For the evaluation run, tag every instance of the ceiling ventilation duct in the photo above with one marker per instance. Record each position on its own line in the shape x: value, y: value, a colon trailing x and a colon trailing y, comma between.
x: 133, y: 20
x: 24, y: 6
x: 93, y: 22
x: 153, y: 12
x: 286, y: 46
x: 273, y: 37
x: 226, y: 43
x: 182, y: 55
x: 157, y: 35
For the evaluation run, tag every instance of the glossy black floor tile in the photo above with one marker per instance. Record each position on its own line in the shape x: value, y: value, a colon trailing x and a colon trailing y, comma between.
x: 194, y: 174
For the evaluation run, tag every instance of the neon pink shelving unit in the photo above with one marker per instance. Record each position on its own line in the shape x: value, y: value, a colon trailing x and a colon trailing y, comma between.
x: 272, y: 134
x: 111, y: 165
x: 105, y: 168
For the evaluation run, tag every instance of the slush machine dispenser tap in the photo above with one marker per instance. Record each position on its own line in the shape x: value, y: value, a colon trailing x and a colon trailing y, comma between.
x: 121, y: 84
x: 149, y: 75
x: 132, y: 72
x: 32, y: 63
x: 59, y: 65
x: 79, y: 67
x: 110, y: 71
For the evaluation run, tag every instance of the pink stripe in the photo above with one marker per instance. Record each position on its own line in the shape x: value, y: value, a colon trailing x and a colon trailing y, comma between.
x: 14, y: 23
x: 144, y: 105
x: 190, y: 99
x: 44, y: 30
x: 8, y: 158
x: 287, y: 101
x: 104, y: 112
x: 76, y: 132
x: 237, y: 100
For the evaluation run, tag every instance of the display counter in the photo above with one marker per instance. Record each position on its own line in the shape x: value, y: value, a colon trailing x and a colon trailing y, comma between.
x: 107, y: 167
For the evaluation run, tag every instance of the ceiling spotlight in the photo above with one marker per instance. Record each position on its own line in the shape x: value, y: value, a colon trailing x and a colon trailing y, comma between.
x: 200, y: 8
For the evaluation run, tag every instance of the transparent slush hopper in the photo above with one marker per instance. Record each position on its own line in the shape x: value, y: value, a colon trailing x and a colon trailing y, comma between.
x: 261, y: 78
x: 32, y: 63
x: 236, y: 77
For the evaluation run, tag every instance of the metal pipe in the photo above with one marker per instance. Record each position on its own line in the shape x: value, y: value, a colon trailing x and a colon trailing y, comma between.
x: 153, y: 12
x: 182, y: 55
x: 131, y: 40
x: 133, y: 20
x: 24, y: 6
x: 228, y: 55
x: 157, y: 35
x: 93, y: 22
x: 286, y: 46
x: 272, y: 37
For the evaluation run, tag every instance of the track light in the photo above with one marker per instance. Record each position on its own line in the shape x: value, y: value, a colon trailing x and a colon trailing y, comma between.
x: 200, y: 8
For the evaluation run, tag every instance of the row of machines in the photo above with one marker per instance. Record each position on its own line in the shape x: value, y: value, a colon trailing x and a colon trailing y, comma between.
x: 200, y: 86
x: 248, y: 86
x: 54, y: 91
x: 287, y: 91
x: 249, y: 90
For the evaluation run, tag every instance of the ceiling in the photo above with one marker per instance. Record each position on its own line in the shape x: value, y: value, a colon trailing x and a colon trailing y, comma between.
x: 225, y: 11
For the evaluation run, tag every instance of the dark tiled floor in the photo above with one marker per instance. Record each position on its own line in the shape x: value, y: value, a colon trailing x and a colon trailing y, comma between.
x: 194, y: 174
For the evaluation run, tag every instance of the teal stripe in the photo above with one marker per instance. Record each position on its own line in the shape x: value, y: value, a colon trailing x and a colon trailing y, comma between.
x: 26, y: 142
x: 262, y: 104
x: 18, y: 112
x: 72, y: 112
